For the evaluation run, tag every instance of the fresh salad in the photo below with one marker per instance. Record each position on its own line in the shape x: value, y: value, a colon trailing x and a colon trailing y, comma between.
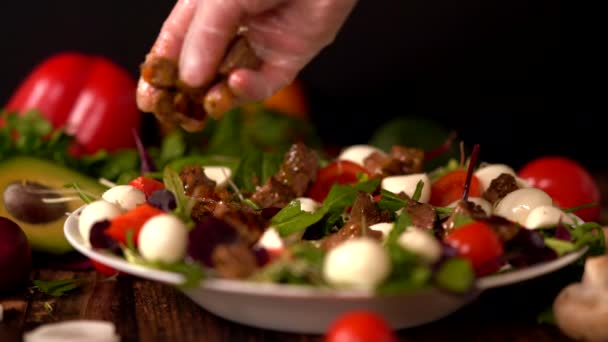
x: 368, y: 219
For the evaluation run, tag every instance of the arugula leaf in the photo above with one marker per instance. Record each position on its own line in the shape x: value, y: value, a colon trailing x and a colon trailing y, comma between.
x: 407, y: 274
x: 418, y: 191
x: 293, y: 219
x: 304, y: 266
x: 560, y: 247
x: 174, y: 184
x: 590, y: 234
x: 403, y: 222
x: 193, y: 272
x: 255, y: 168
x: 58, y: 288
x: 226, y: 138
x: 391, y: 201
x: 84, y: 196
x: 341, y: 196
x: 455, y: 275
x: 582, y: 206
x: 461, y: 220
x: 172, y: 147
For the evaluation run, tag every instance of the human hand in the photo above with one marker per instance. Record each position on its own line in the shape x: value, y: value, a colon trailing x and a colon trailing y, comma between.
x: 284, y: 35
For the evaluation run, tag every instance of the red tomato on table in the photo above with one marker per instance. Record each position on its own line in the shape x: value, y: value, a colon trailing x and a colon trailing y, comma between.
x: 478, y: 243
x: 566, y: 181
x: 450, y: 188
x: 360, y: 326
x: 337, y: 172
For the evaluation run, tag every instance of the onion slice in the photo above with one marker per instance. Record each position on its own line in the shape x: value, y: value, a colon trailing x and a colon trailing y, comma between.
x: 75, y: 330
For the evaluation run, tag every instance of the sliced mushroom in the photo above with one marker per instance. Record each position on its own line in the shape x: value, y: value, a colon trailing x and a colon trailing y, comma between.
x: 581, y: 309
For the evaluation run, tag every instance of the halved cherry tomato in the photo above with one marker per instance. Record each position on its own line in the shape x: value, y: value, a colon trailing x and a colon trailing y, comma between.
x: 103, y: 269
x: 477, y: 242
x: 147, y: 185
x: 360, y: 326
x: 566, y: 181
x: 340, y: 172
x: 132, y: 220
x: 450, y: 187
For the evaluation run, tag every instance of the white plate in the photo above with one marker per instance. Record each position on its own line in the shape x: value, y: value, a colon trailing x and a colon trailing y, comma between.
x: 303, y: 309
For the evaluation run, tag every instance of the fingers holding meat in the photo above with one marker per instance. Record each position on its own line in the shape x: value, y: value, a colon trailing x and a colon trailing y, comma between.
x: 174, y: 102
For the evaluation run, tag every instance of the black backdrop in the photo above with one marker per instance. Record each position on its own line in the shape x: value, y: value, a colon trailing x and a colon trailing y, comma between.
x: 520, y: 77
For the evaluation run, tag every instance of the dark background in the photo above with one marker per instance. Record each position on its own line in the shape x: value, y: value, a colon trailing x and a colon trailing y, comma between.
x: 522, y: 78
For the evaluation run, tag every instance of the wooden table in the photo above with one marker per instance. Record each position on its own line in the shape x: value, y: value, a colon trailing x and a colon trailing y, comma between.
x: 147, y: 311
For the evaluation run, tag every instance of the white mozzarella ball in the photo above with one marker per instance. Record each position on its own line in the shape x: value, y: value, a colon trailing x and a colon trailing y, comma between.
x: 358, y: 153
x: 516, y: 205
x: 219, y: 174
x: 163, y: 238
x: 407, y: 184
x: 483, y: 203
x: 308, y: 204
x: 359, y: 263
x: 383, y: 227
x: 271, y: 239
x: 546, y: 216
x: 127, y: 197
x: 95, y: 212
x: 486, y: 174
x: 420, y: 242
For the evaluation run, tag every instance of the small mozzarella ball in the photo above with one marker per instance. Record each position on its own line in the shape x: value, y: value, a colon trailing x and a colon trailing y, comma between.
x: 407, y: 184
x: 483, y: 203
x: 163, y: 238
x: 516, y: 205
x: 127, y: 197
x: 546, y: 216
x: 358, y: 153
x: 383, y: 227
x: 271, y: 239
x: 308, y: 204
x: 95, y: 212
x: 219, y: 174
x: 486, y: 174
x: 359, y: 262
x: 420, y: 242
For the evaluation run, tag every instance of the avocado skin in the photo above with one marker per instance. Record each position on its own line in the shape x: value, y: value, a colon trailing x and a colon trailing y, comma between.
x: 46, y: 237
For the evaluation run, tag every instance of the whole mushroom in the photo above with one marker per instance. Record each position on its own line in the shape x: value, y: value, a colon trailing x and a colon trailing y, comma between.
x: 581, y: 309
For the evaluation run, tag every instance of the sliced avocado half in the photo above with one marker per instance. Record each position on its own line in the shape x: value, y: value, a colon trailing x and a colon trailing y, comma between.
x: 42, y: 224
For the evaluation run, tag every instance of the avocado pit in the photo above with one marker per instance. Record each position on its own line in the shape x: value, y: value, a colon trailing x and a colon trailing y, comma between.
x: 24, y: 201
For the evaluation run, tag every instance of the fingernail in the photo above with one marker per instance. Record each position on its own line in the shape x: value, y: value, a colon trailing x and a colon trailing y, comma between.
x: 189, y: 72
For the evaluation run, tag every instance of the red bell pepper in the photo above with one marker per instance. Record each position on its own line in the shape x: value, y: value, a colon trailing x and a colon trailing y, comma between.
x: 91, y: 97
x: 131, y: 220
x: 147, y: 185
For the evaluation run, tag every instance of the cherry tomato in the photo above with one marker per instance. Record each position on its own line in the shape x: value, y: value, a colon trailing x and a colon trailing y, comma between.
x: 478, y: 243
x: 450, y: 188
x: 566, y: 181
x: 147, y: 185
x: 360, y: 326
x: 340, y: 172
x: 103, y: 269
